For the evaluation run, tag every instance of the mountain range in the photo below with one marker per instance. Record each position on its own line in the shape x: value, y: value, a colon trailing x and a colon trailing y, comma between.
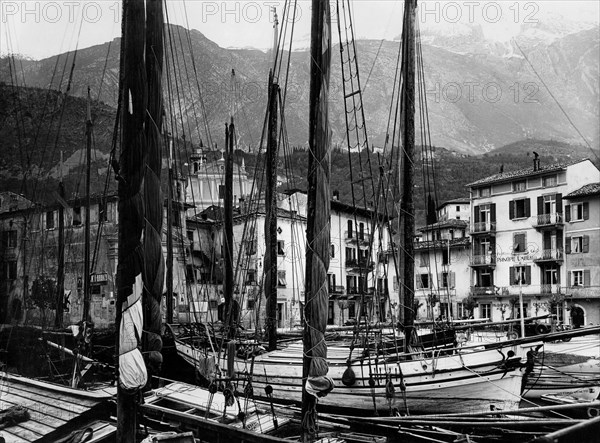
x: 481, y: 94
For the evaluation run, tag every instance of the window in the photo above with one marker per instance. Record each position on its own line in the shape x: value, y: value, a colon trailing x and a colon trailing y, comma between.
x: 9, y: 239
x: 221, y: 191
x: 102, y: 212
x: 281, y: 279
x: 549, y: 181
x: 519, y: 186
x: 423, y: 281
x: 351, y: 284
x: 77, y: 216
x: 519, y: 243
x: 577, y: 212
x: 445, y: 257
x: 580, y: 277
x: 351, y: 309
x: 520, y: 275
x: 50, y: 220
x: 520, y: 208
x: 458, y: 209
x: 331, y: 282
x: 250, y: 303
x: 190, y: 235
x: 484, y: 192
x: 445, y: 283
x: 461, y: 310
x: 576, y: 245
x: 251, y: 277
x: 9, y: 271
x: 280, y: 247
x: 485, y: 310
x: 445, y: 310
x: 424, y: 259
x: 332, y: 251
x: 485, y: 278
x: 96, y: 289
x: 176, y: 218
x: 251, y: 247
x: 349, y: 229
x: 361, y: 231
x: 350, y: 254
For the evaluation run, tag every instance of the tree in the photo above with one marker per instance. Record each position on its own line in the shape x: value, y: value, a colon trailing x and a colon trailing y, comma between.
x: 43, y: 296
x: 469, y: 304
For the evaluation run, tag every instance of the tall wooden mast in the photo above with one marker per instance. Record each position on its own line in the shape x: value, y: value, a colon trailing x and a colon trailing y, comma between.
x: 229, y: 312
x: 60, y: 272
x: 316, y: 383
x: 86, y: 247
x: 271, y: 205
x: 408, y: 181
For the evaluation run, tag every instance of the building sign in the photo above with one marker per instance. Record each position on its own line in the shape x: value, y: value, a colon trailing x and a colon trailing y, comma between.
x: 101, y: 278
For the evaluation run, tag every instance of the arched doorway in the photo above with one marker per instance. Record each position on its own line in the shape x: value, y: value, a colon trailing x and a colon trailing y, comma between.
x: 577, y: 317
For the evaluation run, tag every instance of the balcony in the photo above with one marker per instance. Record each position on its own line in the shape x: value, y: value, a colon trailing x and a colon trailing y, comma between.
x: 548, y: 289
x: 357, y: 237
x: 483, y: 260
x: 548, y: 220
x: 483, y: 291
x: 549, y: 255
x: 483, y: 228
x: 336, y: 290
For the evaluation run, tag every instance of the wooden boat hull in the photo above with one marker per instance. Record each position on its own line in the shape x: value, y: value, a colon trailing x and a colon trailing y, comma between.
x: 465, y: 381
x: 581, y: 380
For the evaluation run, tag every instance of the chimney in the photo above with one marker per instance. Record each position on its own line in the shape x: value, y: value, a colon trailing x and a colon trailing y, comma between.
x: 536, y: 161
x: 336, y: 195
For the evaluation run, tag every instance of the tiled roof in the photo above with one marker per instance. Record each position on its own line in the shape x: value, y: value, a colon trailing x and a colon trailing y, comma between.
x: 526, y: 172
x: 455, y: 201
x: 438, y: 244
x: 450, y: 223
x: 584, y: 191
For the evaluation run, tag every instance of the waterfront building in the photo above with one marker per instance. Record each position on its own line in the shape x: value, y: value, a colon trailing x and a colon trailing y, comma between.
x: 518, y: 239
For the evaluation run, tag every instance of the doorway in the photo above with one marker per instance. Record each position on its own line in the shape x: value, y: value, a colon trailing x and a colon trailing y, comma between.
x: 577, y: 317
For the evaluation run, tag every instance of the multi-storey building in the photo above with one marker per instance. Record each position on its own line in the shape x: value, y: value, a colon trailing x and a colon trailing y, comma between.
x: 582, y: 254
x: 352, y: 271
x: 206, y: 182
x: 456, y: 209
x: 442, y: 263
x: 30, y: 253
x: 517, y: 230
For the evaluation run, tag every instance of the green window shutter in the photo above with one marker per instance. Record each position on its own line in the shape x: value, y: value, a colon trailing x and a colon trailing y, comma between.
x: 586, y: 278
x: 527, y: 207
x: 586, y: 243
x: 493, y: 212
x: 476, y: 214
x: 452, y: 280
x: 567, y: 213
x: 511, y: 209
x: 559, y: 203
x: 568, y: 245
x: 540, y: 205
x: 527, y: 275
x: 586, y: 211
x: 512, y: 275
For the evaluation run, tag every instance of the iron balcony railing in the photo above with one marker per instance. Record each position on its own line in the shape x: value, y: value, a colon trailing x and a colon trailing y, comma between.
x: 550, y: 255
x: 482, y: 227
x: 552, y: 219
x: 481, y: 260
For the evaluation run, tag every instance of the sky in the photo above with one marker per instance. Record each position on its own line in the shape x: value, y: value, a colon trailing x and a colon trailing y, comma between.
x: 39, y: 29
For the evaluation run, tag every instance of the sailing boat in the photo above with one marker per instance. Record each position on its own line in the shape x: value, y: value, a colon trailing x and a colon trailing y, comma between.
x: 368, y: 381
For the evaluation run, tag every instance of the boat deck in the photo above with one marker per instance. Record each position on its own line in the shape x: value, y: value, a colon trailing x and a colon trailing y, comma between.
x: 53, y: 411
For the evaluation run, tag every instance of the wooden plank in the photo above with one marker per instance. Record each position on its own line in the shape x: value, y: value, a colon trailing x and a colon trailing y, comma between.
x: 11, y: 437
x: 54, y: 395
x: 34, y: 407
x: 23, y: 433
x: 55, y: 409
x: 225, y: 432
x: 36, y: 426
